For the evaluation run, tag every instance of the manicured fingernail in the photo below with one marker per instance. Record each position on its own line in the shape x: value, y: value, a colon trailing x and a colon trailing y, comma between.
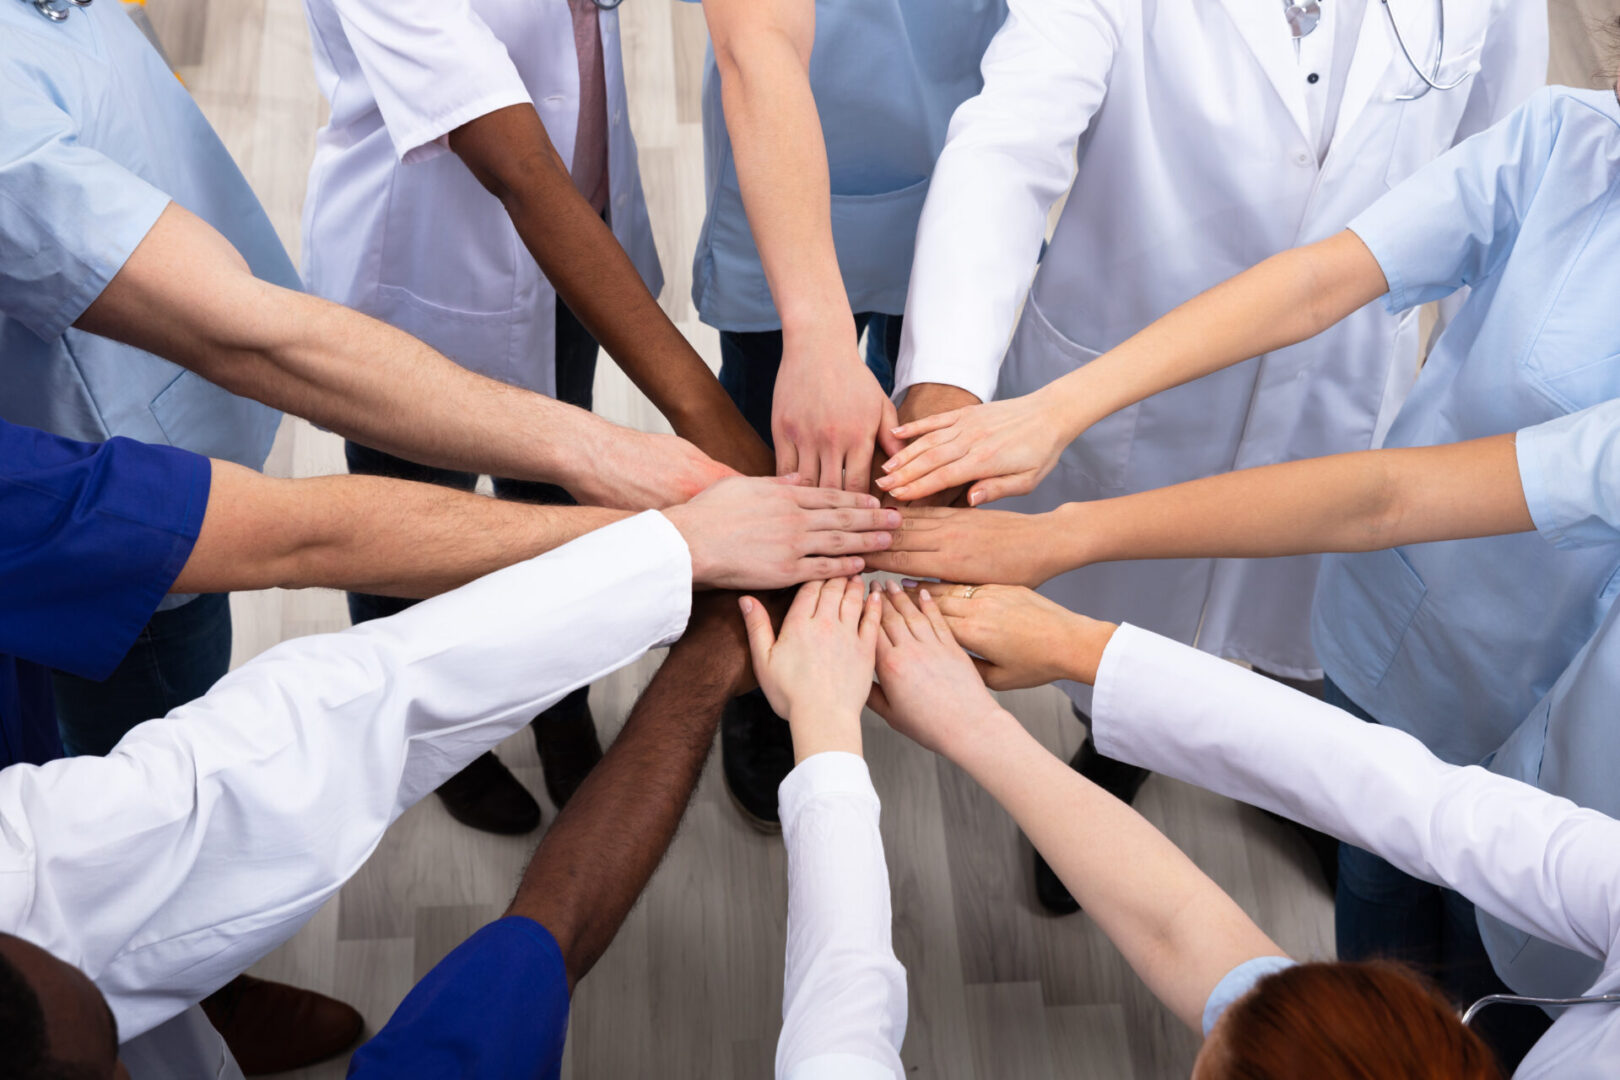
x: 924, y: 594
x: 909, y: 583
x: 884, y: 482
x: 976, y: 498
x: 746, y: 604
x: 871, y: 502
x: 892, y: 519
x: 888, y: 465
x: 897, y: 430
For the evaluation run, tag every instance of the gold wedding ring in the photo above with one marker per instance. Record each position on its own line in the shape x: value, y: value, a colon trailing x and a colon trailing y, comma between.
x: 967, y: 594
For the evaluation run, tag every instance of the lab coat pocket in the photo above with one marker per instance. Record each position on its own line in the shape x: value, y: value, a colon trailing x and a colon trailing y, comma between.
x: 1095, y: 465
x: 1374, y: 603
x: 1572, y: 384
x: 479, y: 341
x: 1426, y: 127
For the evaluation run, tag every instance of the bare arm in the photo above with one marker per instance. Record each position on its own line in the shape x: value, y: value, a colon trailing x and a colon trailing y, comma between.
x: 511, y: 154
x: 365, y: 533
x: 1174, y: 926
x: 608, y: 840
x: 1346, y: 502
x: 828, y: 412
x: 400, y: 538
x: 186, y: 295
x: 1007, y: 447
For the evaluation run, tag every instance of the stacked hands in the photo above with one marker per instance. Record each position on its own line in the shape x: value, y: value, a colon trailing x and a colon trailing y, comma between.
x: 818, y: 671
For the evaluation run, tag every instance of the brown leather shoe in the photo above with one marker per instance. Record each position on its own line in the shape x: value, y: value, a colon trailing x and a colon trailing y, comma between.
x: 272, y: 1027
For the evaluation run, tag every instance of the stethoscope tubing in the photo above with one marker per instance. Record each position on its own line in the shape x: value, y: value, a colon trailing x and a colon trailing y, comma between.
x: 1519, y: 999
x: 1439, y: 53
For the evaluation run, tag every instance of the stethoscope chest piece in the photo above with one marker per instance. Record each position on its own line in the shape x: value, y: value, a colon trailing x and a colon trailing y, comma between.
x: 57, y: 10
x: 1302, y: 15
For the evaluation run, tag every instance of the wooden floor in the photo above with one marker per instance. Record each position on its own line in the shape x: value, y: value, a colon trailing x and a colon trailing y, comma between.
x: 692, y: 987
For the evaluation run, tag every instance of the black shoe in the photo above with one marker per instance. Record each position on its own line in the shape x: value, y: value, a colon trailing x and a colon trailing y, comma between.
x: 756, y: 754
x: 1120, y: 780
x: 486, y: 796
x: 565, y: 736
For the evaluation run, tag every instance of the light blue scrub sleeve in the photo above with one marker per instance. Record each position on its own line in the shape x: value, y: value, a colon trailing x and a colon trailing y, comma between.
x: 1454, y: 221
x: 69, y: 216
x: 1570, y: 469
x: 1238, y: 982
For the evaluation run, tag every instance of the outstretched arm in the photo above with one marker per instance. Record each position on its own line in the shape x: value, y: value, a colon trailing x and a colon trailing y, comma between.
x: 829, y: 411
x: 608, y: 840
x: 511, y: 154
x: 1007, y: 447
x: 1175, y: 926
x: 844, y: 993
x: 400, y: 538
x: 1347, y: 502
x: 187, y: 295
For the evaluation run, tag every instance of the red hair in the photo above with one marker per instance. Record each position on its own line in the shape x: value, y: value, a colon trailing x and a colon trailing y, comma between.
x: 1339, y: 1021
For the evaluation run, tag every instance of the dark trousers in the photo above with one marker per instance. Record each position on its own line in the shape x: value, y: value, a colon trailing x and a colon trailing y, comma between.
x: 1380, y: 911
x: 576, y: 375
x: 749, y: 362
x: 177, y: 658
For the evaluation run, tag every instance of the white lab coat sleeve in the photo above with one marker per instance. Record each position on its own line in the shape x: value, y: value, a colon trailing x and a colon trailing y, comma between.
x: 207, y: 838
x: 844, y: 994
x: 1512, y: 65
x: 431, y: 66
x: 1454, y: 221
x: 1532, y: 859
x: 1570, y: 469
x: 1009, y: 155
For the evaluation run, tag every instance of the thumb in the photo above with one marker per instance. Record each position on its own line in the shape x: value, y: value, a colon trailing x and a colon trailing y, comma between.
x: 997, y: 487
x: 760, y: 635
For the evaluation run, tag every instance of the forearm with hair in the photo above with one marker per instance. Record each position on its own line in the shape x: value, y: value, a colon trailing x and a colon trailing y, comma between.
x: 1363, y: 501
x: 366, y: 534
x: 512, y: 156
x: 185, y: 294
x: 1176, y: 928
x: 604, y: 846
x: 1287, y: 298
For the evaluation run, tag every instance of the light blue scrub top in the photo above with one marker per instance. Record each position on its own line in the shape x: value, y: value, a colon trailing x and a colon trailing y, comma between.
x: 887, y: 75
x: 1570, y: 743
x: 96, y: 136
x: 1455, y: 642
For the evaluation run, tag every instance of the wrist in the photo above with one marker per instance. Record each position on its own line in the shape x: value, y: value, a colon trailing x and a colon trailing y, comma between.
x: 979, y: 737
x: 819, y: 729
x: 1067, y: 406
x: 683, y: 517
x: 1075, y: 534
x: 1084, y: 642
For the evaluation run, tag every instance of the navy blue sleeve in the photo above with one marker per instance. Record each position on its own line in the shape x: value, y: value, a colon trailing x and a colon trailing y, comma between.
x: 91, y: 538
x: 496, y: 1006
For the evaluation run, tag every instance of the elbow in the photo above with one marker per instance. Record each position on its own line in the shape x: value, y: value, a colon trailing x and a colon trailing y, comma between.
x: 1380, y: 521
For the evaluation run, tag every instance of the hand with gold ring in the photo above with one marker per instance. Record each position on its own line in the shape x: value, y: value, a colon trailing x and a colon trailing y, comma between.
x: 1023, y: 638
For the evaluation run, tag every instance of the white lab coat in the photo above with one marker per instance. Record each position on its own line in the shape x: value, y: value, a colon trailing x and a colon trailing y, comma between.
x: 395, y: 224
x: 209, y: 837
x: 1534, y: 860
x: 1195, y: 162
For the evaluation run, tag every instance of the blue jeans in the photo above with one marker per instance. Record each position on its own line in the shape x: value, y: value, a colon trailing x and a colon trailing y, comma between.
x: 177, y: 658
x: 1382, y: 912
x: 749, y: 362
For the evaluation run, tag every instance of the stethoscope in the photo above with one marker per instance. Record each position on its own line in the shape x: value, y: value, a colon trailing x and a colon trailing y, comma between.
x: 57, y: 10
x: 1519, y: 999
x: 1303, y: 15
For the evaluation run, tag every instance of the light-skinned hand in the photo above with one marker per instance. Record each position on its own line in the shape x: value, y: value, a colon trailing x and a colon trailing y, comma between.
x: 928, y: 689
x: 818, y: 672
x: 828, y: 414
x: 640, y: 470
x: 1000, y: 448
x: 765, y: 533
x: 924, y: 400
x: 1024, y: 639
x: 971, y: 546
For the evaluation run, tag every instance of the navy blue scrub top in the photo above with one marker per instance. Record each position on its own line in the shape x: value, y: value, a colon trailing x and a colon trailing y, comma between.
x: 91, y: 537
x: 496, y: 1006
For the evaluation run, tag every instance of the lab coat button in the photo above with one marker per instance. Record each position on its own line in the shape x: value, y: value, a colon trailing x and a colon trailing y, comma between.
x: 1302, y: 158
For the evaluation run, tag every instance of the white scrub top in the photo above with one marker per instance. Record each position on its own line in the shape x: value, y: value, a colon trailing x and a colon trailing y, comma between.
x: 1570, y: 743
x: 1534, y: 860
x: 886, y: 75
x: 96, y: 137
x: 1197, y: 158
x: 397, y: 226
x: 209, y: 837
x: 1457, y: 641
